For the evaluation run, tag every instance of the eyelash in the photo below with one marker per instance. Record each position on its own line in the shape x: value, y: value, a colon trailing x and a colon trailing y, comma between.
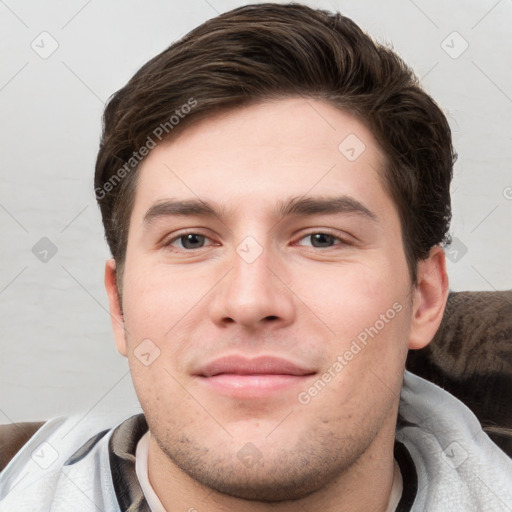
x: 168, y: 244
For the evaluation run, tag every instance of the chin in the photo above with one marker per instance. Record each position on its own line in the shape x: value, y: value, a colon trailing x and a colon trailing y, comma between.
x: 273, y: 474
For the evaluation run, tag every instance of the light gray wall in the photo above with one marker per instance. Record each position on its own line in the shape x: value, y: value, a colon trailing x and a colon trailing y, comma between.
x: 57, y: 351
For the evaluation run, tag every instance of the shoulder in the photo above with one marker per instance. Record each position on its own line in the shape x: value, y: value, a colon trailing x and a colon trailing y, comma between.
x: 43, y: 456
x: 459, y: 467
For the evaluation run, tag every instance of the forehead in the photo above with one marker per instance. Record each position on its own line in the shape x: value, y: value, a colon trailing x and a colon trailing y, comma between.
x: 262, y: 153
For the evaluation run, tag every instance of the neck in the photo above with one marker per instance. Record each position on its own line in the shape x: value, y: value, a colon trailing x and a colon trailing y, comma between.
x: 365, y: 485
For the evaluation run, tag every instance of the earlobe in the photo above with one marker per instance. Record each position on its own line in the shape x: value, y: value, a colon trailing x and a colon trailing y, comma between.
x: 430, y: 297
x: 116, y: 314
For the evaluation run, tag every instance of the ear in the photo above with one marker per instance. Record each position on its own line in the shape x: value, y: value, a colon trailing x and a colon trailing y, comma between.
x: 116, y: 315
x: 429, y: 298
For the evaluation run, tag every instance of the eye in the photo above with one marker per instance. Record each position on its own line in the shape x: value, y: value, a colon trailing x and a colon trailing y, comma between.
x: 188, y: 241
x: 321, y: 240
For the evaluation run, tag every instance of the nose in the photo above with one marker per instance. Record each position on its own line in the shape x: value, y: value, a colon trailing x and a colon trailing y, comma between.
x: 254, y: 291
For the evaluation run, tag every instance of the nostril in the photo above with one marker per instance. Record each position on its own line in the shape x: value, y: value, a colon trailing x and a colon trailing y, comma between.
x: 271, y: 317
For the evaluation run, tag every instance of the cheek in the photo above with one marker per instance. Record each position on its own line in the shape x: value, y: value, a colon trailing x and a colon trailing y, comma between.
x: 156, y: 302
x: 349, y: 298
x: 163, y: 310
x: 364, y: 313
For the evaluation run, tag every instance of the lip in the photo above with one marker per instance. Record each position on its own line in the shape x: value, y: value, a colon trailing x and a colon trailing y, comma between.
x: 262, y: 365
x: 241, y: 377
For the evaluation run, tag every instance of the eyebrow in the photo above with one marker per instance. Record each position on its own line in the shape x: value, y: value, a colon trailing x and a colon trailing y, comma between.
x: 296, y: 206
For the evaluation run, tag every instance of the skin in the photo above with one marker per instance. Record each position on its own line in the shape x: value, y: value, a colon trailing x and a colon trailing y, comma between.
x: 296, y: 300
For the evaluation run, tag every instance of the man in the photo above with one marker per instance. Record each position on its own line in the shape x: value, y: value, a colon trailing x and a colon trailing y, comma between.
x: 275, y: 193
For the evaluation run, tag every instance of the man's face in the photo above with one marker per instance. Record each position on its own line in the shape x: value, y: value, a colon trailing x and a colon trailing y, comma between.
x: 313, y: 287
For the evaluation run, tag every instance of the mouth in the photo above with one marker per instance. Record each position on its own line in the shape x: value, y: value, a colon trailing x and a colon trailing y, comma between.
x: 240, y: 377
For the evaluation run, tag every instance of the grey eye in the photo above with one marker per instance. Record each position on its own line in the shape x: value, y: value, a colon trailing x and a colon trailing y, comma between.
x: 321, y: 240
x: 192, y: 241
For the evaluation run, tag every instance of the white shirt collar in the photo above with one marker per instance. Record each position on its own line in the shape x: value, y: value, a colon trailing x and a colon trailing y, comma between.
x: 141, y: 469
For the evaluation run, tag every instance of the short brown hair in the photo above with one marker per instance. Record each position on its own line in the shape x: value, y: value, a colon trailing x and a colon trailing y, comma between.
x: 271, y: 51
